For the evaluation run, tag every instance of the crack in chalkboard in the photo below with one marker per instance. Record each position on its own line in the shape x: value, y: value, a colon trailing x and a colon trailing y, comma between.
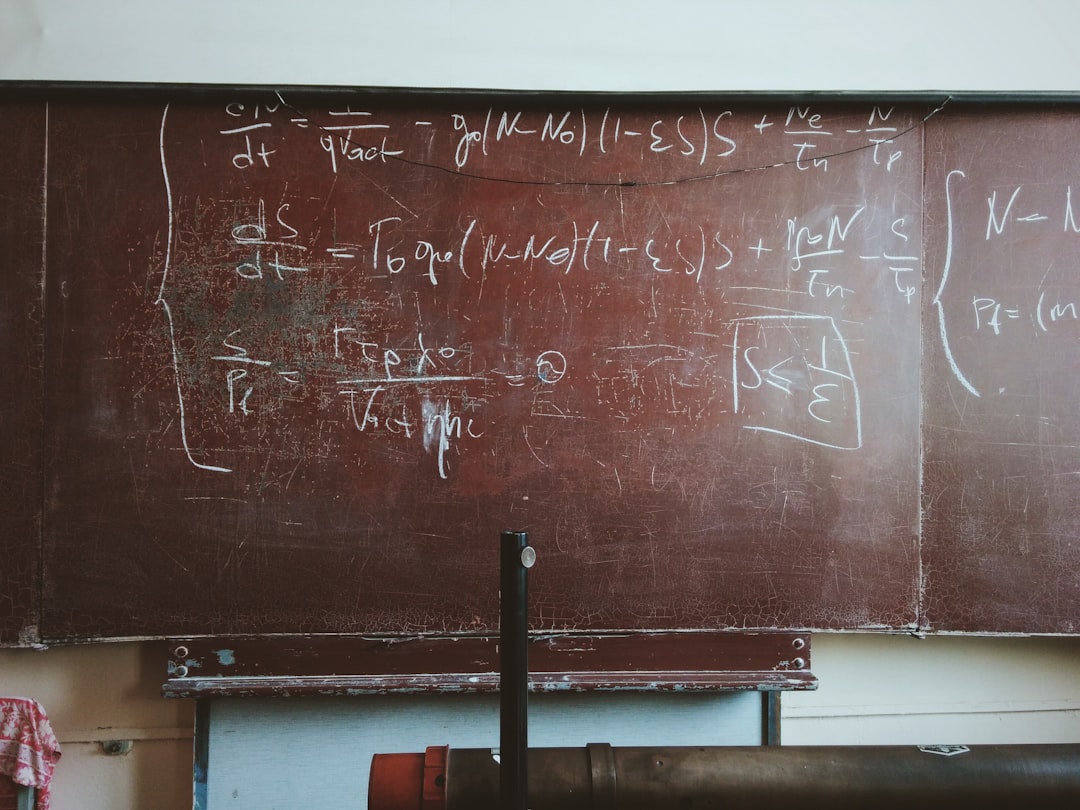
x: 347, y: 139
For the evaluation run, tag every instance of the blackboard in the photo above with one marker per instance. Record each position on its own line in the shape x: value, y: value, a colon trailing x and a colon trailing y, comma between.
x: 306, y: 353
x: 22, y: 146
x: 1001, y: 543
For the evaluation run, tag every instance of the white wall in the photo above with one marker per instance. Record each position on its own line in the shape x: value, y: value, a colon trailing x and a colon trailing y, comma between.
x: 759, y: 45
x: 874, y: 689
x: 901, y: 690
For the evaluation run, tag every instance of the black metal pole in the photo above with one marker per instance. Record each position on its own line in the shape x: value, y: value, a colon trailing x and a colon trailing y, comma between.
x: 515, y: 559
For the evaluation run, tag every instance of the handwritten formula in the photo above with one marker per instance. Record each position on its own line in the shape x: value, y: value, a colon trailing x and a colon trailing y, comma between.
x: 403, y: 274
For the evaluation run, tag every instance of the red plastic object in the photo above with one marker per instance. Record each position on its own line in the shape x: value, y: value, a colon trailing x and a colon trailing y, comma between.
x: 408, y: 781
x: 434, y: 797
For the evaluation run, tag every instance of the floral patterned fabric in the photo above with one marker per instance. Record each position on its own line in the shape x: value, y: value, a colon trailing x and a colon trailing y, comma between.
x: 28, y: 748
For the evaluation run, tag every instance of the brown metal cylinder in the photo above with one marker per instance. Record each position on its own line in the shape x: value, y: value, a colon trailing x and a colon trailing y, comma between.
x: 764, y: 777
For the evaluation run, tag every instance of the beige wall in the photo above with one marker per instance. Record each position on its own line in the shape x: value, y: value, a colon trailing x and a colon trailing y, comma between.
x: 100, y: 692
x: 900, y: 690
x: 874, y: 690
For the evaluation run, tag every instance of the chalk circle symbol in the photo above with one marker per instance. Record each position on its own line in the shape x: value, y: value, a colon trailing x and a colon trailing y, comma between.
x: 550, y: 367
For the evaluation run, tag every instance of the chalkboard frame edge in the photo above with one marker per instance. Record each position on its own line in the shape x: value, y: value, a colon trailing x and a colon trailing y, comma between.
x: 126, y: 91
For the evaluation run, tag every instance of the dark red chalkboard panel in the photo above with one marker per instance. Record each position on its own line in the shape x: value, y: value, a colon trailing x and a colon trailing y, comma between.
x: 1001, y: 543
x: 22, y: 182
x: 309, y: 354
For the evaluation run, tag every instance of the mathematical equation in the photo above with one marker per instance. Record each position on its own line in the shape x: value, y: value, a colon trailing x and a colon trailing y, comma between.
x: 405, y: 301
x: 1017, y: 237
x: 811, y: 247
x: 801, y: 136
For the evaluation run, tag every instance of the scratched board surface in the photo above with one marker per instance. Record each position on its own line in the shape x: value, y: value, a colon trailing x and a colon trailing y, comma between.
x: 1001, y: 544
x: 22, y: 131
x: 308, y: 354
